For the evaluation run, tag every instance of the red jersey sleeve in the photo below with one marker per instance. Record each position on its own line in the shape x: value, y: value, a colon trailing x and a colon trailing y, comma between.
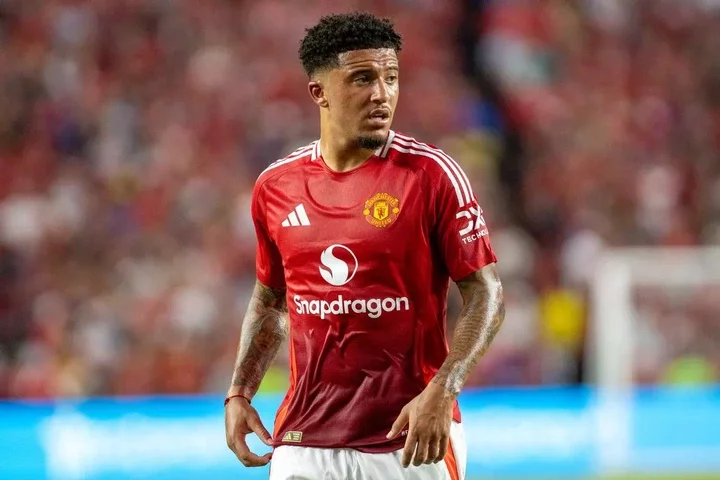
x: 268, y: 262
x: 460, y: 230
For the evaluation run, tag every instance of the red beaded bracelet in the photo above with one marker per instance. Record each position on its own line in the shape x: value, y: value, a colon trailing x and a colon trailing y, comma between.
x: 227, y: 399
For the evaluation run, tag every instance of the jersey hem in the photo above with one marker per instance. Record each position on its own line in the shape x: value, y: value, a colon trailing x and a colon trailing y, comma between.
x: 393, y: 446
x: 469, y: 270
x: 362, y: 449
x: 262, y: 279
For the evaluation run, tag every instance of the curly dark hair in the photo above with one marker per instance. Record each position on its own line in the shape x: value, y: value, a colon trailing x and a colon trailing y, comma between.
x: 340, y: 33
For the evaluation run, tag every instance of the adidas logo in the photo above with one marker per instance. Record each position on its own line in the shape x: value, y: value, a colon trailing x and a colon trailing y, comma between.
x: 297, y: 218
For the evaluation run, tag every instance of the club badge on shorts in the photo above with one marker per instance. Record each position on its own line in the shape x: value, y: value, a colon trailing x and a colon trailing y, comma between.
x: 381, y: 210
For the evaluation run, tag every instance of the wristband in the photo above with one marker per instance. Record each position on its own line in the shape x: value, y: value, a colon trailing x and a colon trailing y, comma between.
x: 227, y: 399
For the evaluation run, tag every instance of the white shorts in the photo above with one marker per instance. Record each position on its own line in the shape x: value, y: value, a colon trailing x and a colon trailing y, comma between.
x: 307, y: 463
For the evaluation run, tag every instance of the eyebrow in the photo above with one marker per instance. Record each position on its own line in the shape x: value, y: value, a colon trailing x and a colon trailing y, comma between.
x: 368, y: 69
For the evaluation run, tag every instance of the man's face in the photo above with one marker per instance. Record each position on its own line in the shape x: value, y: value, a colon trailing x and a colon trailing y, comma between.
x: 362, y: 93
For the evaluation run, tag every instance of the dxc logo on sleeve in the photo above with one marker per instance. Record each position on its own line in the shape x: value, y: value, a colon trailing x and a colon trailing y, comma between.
x: 476, y: 222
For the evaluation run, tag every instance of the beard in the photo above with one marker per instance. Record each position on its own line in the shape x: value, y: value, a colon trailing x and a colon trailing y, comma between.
x: 370, y: 142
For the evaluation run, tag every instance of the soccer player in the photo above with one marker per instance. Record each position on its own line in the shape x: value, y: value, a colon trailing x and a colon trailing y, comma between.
x: 358, y: 236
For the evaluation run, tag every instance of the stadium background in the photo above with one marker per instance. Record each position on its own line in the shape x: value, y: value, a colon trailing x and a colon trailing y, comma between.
x: 131, y: 132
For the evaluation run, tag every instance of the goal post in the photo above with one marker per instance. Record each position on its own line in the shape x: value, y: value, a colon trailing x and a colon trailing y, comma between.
x: 611, y: 343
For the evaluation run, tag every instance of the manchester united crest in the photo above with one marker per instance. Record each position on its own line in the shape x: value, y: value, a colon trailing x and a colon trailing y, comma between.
x: 381, y: 210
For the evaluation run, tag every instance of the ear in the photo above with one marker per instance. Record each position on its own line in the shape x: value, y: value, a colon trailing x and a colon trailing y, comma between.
x: 317, y: 93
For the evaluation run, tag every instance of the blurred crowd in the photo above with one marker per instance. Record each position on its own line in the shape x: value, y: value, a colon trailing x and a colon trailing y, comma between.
x: 132, y: 131
x: 618, y: 105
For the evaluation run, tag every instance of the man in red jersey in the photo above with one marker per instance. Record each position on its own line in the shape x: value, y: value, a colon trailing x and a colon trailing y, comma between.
x: 358, y: 236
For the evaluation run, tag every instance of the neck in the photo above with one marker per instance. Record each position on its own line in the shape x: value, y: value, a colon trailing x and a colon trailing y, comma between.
x: 341, y: 154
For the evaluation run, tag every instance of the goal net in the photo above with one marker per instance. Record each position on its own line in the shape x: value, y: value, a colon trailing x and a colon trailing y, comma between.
x: 651, y: 305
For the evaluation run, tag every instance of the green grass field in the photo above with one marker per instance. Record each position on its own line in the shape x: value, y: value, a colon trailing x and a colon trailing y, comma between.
x: 675, y: 477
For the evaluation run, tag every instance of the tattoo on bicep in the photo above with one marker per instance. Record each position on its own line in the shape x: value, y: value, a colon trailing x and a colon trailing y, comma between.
x: 263, y: 331
x: 478, y: 323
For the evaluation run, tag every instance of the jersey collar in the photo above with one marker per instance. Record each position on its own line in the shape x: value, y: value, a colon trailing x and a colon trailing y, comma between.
x: 380, y: 152
x: 383, y: 151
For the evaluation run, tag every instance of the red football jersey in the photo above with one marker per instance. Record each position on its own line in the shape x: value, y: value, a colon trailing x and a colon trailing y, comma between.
x: 366, y: 257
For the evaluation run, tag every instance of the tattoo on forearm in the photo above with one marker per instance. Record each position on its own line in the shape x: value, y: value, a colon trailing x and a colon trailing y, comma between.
x: 479, y: 322
x: 263, y: 331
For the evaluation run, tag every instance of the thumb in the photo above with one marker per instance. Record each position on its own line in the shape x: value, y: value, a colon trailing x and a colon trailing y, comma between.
x: 259, y: 429
x: 399, y: 423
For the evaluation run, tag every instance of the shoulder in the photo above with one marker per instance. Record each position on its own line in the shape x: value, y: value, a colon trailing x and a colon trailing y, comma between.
x: 440, y: 169
x: 290, y: 162
x: 425, y: 156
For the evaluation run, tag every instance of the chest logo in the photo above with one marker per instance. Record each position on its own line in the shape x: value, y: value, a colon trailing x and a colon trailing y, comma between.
x: 381, y: 210
x: 339, y: 265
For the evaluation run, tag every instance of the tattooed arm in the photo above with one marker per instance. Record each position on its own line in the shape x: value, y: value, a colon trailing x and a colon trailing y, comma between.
x: 480, y: 320
x: 263, y: 331
x: 429, y: 415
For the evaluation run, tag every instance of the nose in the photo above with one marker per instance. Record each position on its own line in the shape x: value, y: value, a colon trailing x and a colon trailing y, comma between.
x: 380, y: 92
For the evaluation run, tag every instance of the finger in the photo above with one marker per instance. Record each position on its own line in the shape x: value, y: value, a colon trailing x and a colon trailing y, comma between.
x: 259, y: 429
x: 246, y: 457
x: 443, y: 448
x: 399, y: 423
x: 432, y: 451
x: 422, y: 451
x: 409, y: 449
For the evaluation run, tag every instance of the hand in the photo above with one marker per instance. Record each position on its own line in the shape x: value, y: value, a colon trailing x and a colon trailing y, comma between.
x: 240, y: 419
x: 429, y: 415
